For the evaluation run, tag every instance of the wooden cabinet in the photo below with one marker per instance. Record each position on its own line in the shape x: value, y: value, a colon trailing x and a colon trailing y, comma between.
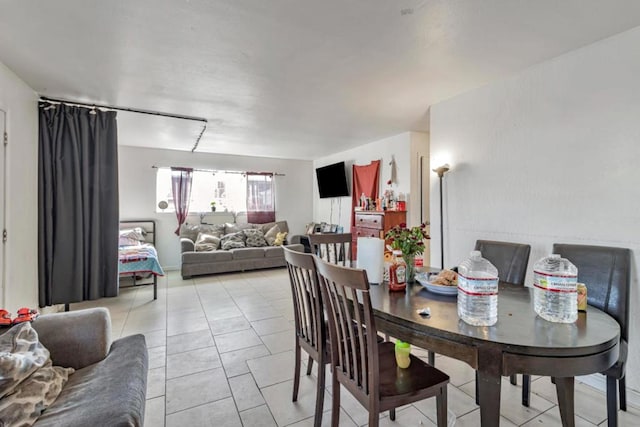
x: 374, y: 224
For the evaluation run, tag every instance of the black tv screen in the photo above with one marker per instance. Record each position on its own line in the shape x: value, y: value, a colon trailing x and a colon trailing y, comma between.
x: 332, y: 181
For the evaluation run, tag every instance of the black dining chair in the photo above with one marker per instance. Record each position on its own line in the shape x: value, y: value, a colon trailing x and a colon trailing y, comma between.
x: 365, y: 367
x: 332, y: 247
x: 511, y: 260
x: 606, y: 272
x: 310, y: 325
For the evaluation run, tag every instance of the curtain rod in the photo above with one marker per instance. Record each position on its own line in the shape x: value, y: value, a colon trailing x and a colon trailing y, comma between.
x: 113, y: 107
x: 213, y: 171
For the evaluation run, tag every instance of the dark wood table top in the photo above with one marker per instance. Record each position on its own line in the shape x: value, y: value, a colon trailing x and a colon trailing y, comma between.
x: 519, y: 329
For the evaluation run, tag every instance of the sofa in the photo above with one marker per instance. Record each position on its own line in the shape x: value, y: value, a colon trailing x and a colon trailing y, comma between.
x: 109, y: 384
x: 198, y: 261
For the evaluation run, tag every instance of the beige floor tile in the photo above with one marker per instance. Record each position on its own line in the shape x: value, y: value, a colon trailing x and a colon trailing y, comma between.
x: 154, y: 412
x: 628, y: 418
x: 345, y: 420
x: 156, y: 381
x: 185, y: 315
x: 408, y: 417
x: 271, y: 326
x: 273, y: 369
x: 156, y: 338
x: 222, y: 312
x: 511, y: 404
x: 458, y: 402
x: 257, y: 417
x: 189, y: 341
x: 157, y: 357
x: 278, y: 398
x: 235, y: 362
x: 552, y: 418
x: 194, y: 325
x: 262, y: 313
x: 196, y: 389
x: 590, y: 403
x: 193, y: 361
x: 237, y: 340
x: 279, y: 342
x: 353, y: 408
x: 221, y: 413
x: 459, y: 372
x: 245, y: 392
x: 472, y: 419
x: 232, y: 324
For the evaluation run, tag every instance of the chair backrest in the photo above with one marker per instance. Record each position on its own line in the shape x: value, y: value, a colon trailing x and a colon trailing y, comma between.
x: 332, y: 247
x: 510, y: 259
x: 354, y: 346
x: 606, y: 271
x: 307, y: 300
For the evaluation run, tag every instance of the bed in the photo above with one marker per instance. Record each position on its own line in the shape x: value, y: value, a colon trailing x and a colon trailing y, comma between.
x: 137, y: 256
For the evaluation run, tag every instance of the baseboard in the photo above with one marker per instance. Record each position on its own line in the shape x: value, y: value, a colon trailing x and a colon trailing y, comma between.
x: 599, y: 382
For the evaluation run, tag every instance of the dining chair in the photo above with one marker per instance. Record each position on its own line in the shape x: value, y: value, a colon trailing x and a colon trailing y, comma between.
x: 310, y: 325
x: 606, y: 273
x: 332, y: 247
x: 365, y: 367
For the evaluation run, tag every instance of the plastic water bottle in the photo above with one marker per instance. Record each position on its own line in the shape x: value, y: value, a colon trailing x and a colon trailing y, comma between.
x: 555, y: 289
x: 478, y: 291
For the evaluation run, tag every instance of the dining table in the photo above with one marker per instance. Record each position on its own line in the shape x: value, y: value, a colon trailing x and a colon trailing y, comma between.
x: 521, y: 342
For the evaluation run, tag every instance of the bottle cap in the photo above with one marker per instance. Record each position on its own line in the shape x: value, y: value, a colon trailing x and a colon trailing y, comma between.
x: 476, y: 254
x: 402, y: 344
x: 397, y: 252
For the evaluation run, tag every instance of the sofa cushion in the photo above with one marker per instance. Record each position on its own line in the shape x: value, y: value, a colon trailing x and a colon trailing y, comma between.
x: 110, y: 392
x: 254, y: 238
x: 191, y: 231
x: 271, y: 234
x: 247, y: 253
x: 207, y: 242
x: 232, y: 241
x: 273, y: 252
x: 203, y: 257
x: 230, y: 228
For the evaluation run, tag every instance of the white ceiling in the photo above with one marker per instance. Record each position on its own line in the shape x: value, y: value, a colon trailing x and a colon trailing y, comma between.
x: 287, y: 78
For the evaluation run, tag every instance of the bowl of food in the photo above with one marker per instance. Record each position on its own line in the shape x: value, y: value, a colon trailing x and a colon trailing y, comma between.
x: 443, y: 283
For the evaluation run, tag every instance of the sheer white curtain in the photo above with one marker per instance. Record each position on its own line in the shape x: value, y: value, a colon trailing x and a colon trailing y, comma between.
x: 261, y: 204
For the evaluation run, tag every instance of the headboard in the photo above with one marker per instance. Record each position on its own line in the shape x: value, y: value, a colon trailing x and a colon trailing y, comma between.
x: 147, y: 225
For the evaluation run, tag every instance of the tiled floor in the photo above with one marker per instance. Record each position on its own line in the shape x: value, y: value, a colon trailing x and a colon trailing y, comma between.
x: 221, y: 354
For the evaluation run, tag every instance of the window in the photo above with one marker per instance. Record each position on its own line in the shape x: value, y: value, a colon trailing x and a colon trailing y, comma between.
x: 227, y: 189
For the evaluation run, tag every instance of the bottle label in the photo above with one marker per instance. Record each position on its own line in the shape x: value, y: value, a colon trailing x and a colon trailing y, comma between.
x: 555, y: 283
x: 401, y: 274
x: 478, y: 286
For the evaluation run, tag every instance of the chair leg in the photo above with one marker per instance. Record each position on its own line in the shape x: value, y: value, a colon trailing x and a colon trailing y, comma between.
x: 441, y: 407
x: 296, y: 375
x: 392, y: 414
x: 514, y: 379
x: 477, y: 390
x: 374, y: 418
x: 612, y: 404
x: 622, y: 387
x: 526, y: 390
x: 431, y: 358
x: 309, y: 365
x: 335, y: 401
x: 319, y: 393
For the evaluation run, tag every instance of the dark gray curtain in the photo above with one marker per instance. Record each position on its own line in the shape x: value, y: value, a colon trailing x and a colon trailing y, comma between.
x: 78, y: 204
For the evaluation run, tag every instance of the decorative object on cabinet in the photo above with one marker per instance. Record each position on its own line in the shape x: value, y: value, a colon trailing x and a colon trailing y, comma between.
x: 375, y: 224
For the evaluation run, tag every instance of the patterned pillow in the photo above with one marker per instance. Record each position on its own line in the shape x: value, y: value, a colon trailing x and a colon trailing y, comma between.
x: 131, y: 237
x: 280, y: 238
x: 207, y: 242
x: 254, y: 238
x: 233, y: 241
x: 270, y: 236
x: 191, y: 231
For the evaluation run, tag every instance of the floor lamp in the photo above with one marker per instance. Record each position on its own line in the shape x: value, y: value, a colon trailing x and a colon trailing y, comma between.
x: 441, y: 170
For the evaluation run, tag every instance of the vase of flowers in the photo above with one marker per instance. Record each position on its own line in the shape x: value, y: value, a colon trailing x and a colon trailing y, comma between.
x: 410, y: 241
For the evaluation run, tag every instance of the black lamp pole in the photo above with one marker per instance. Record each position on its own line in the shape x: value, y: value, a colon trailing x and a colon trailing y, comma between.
x: 441, y: 170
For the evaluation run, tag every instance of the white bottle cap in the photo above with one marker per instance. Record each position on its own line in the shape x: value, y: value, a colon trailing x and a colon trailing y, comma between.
x: 475, y: 254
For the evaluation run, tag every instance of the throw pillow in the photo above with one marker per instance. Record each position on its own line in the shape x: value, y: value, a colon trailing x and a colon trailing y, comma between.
x: 207, y: 242
x: 233, y: 241
x: 20, y: 355
x: 254, y: 238
x: 131, y: 236
x: 280, y: 238
x: 270, y: 236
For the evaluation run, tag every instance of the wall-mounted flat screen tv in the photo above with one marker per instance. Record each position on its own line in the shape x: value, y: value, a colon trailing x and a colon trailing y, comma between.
x: 332, y: 181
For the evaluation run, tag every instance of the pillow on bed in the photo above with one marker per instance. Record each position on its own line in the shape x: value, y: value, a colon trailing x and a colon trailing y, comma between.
x: 207, y: 242
x: 131, y: 236
x: 232, y: 241
x: 254, y: 238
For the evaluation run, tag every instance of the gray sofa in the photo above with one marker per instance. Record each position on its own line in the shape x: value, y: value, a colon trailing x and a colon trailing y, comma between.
x: 196, y: 263
x: 110, y: 383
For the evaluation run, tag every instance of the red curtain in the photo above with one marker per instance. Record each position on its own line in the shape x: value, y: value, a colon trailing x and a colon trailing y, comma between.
x: 365, y: 181
x: 181, y: 189
x: 261, y: 204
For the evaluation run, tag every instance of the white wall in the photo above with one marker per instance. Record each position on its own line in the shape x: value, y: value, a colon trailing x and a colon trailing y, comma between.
x: 404, y: 149
x: 138, y: 189
x: 550, y: 155
x: 21, y: 248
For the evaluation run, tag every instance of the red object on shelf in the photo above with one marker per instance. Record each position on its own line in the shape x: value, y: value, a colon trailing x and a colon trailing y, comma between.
x: 401, y: 205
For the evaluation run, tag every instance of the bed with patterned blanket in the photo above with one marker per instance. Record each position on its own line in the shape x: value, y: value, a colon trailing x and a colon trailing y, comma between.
x: 137, y: 255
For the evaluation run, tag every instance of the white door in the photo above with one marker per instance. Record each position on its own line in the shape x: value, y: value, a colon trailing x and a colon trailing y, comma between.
x: 3, y: 172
